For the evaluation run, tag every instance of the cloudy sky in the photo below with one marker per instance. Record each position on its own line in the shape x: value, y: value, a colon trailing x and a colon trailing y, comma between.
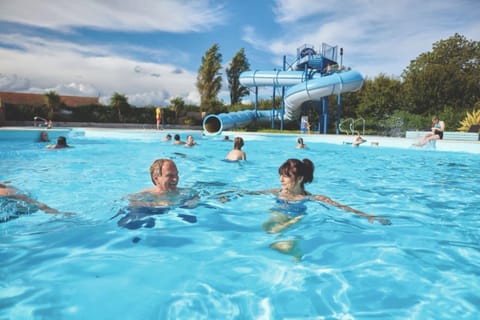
x: 150, y: 50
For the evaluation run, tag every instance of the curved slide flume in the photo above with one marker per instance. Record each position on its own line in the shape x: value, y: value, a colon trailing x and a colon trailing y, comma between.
x: 216, y: 123
x: 299, y: 91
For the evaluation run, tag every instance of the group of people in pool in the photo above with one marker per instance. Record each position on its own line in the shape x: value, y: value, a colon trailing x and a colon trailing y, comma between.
x: 61, y: 141
x: 164, y: 194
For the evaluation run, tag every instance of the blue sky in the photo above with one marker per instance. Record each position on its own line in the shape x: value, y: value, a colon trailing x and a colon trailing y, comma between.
x: 150, y: 50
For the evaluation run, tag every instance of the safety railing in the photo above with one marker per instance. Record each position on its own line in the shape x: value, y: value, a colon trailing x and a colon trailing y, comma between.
x: 351, y: 126
x: 37, y: 118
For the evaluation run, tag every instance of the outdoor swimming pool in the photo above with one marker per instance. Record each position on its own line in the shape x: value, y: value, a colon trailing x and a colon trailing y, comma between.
x: 425, y: 265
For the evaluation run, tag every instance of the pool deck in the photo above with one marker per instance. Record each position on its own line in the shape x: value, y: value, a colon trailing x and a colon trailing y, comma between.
x: 372, y: 141
x: 380, y: 141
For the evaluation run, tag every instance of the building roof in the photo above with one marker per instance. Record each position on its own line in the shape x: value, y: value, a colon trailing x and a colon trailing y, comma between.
x: 39, y: 99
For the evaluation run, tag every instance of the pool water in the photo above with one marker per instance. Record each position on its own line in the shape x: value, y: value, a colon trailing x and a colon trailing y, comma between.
x: 224, y: 265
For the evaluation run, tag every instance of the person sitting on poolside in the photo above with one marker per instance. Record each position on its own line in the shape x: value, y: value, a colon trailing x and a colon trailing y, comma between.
x: 437, y: 132
x: 61, y: 143
x: 300, y: 144
x: 190, y: 141
x: 177, y: 139
x: 23, y: 204
x: 358, y: 141
x: 158, y: 199
x: 236, y: 153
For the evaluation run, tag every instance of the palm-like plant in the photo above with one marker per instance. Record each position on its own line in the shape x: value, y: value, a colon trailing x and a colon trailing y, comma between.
x: 53, y: 101
x: 470, y: 120
x: 118, y: 101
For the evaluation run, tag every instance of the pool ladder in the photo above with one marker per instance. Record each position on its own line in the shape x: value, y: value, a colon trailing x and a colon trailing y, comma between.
x: 351, y: 126
x: 45, y: 122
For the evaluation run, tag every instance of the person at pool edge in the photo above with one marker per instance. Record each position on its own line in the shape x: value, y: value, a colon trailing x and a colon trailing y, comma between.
x: 438, y: 128
x: 237, y: 153
x: 294, y: 174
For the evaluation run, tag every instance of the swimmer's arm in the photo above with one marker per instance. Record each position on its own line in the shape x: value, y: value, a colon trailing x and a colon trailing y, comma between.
x: 370, y: 218
x: 41, y: 206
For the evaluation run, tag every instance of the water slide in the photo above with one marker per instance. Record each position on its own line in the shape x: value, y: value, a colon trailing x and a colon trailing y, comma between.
x: 299, y: 90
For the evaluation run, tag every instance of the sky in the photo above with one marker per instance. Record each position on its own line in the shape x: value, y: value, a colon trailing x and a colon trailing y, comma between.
x: 151, y: 50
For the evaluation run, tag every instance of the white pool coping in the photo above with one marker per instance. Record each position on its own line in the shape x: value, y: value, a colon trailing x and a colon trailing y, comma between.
x: 372, y: 141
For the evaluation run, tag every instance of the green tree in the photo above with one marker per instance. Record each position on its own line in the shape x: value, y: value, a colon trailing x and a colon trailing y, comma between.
x: 119, y: 102
x: 238, y: 65
x: 209, y: 79
x: 53, y: 101
x: 379, y: 98
x: 177, y: 105
x: 445, y: 79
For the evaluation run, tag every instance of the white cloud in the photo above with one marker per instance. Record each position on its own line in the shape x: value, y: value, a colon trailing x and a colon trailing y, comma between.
x: 378, y: 36
x: 89, y: 70
x: 130, y: 15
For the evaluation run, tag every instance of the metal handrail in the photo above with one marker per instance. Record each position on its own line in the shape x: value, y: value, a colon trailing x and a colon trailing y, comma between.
x: 342, y: 122
x: 353, y: 125
x: 45, y: 122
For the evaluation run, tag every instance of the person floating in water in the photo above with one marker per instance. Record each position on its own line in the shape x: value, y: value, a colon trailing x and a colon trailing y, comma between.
x: 358, y: 141
x: 158, y: 199
x: 43, y: 137
x: 300, y: 144
x: 177, y: 140
x: 14, y: 204
x: 237, y: 153
x: 291, y: 197
x: 61, y: 143
x: 190, y: 142
x: 438, y: 127
x: 294, y: 174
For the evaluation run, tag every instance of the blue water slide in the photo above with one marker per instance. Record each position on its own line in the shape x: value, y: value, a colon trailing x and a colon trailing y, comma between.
x: 301, y: 88
x: 318, y: 87
x: 216, y: 123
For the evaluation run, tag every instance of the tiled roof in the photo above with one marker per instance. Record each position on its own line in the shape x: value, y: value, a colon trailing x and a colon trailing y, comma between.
x: 39, y: 99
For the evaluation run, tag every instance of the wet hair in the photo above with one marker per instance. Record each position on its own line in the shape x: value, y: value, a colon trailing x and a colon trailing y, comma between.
x: 300, y: 140
x: 156, y: 168
x: 176, y: 137
x: 237, y: 143
x: 62, y: 141
x: 295, y: 168
x: 169, y: 136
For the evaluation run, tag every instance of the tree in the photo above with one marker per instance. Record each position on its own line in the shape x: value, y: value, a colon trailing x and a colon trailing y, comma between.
x: 238, y: 65
x: 209, y: 80
x: 379, y: 97
x: 177, y: 105
x: 53, y: 102
x: 445, y: 79
x: 119, y: 102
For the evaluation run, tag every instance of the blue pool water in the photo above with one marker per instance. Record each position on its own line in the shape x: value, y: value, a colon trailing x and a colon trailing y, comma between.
x: 82, y: 265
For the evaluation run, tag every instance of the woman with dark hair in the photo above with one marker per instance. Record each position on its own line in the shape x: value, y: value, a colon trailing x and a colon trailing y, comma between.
x: 300, y: 144
x: 290, y: 207
x: 294, y: 174
x: 61, y: 143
